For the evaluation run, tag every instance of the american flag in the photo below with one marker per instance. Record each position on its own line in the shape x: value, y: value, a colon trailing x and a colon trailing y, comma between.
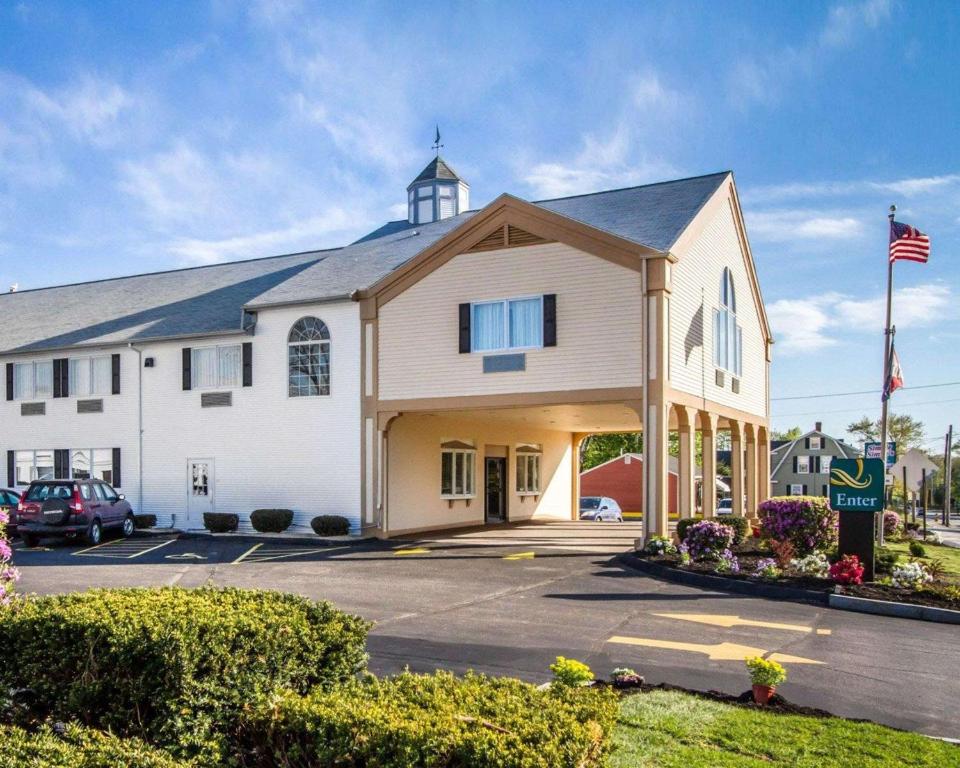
x: 908, y: 243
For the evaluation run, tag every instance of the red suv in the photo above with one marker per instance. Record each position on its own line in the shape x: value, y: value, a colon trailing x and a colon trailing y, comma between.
x: 71, y: 508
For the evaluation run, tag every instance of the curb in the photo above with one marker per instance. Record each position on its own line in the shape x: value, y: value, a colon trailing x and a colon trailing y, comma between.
x: 743, y: 587
x: 889, y: 608
x: 268, y: 538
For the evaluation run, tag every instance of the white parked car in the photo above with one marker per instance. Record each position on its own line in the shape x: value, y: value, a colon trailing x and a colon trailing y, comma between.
x: 725, y: 507
x: 600, y: 508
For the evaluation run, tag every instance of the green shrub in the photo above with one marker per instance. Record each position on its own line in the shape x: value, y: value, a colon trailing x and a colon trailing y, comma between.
x: 173, y: 666
x: 330, y: 525
x: 145, y: 521
x: 917, y: 550
x: 740, y: 525
x: 431, y: 720
x: 570, y: 672
x: 884, y: 560
x: 271, y: 520
x: 220, y: 522
x: 78, y: 747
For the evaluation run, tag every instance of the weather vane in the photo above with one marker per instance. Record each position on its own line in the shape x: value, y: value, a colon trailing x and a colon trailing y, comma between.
x: 436, y: 142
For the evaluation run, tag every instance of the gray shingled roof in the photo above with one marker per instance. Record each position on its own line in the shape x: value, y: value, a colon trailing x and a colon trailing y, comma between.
x: 438, y: 168
x: 211, y: 300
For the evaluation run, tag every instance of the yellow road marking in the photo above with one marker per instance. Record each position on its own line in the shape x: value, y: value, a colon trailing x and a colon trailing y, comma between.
x: 250, y: 551
x: 715, y: 652
x: 736, y: 621
x: 413, y: 551
x: 521, y: 556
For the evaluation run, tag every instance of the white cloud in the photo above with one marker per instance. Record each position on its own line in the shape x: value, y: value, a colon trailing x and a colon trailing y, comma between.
x: 819, y: 321
x: 90, y: 108
x: 846, y: 21
x: 908, y: 187
x: 784, y: 226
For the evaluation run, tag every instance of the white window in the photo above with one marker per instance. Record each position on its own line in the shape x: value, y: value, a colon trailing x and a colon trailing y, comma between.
x: 803, y: 465
x: 507, y: 324
x: 457, y: 471
x: 528, y: 471
x: 92, y: 464
x: 816, y: 443
x: 33, y: 381
x: 33, y: 465
x: 215, y: 367
x: 727, y: 335
x: 308, y: 358
x: 825, y: 464
x: 796, y: 490
x: 91, y: 376
x: 425, y: 211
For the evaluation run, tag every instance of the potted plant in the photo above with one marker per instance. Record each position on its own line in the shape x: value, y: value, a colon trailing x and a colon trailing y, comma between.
x: 765, y: 675
x: 624, y: 677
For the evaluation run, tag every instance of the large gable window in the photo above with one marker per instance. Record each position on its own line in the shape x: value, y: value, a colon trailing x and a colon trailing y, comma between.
x: 727, y: 334
x: 308, y: 358
x: 507, y: 324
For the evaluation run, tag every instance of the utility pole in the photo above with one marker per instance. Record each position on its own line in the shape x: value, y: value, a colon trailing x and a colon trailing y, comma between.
x: 947, y: 476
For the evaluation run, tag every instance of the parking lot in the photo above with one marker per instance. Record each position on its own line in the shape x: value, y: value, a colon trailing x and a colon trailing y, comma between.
x: 509, y: 600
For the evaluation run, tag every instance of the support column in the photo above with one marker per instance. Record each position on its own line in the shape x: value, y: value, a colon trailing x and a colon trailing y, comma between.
x: 656, y: 484
x: 708, y: 437
x: 736, y: 467
x: 763, y: 465
x: 687, y: 461
x: 751, y: 471
x: 576, y: 440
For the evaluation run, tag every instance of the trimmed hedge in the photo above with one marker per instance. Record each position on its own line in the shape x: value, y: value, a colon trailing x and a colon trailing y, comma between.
x: 330, y: 525
x: 740, y: 525
x: 431, y: 720
x: 173, y: 666
x: 145, y: 521
x: 77, y: 747
x: 271, y: 520
x: 221, y: 522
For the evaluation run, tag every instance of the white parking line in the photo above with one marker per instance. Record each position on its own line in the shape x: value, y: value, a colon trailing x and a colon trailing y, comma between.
x: 252, y: 555
x: 122, y: 548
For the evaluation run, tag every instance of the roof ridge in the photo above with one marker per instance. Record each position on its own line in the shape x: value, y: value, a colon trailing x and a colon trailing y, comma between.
x: 326, y: 251
x: 636, y: 186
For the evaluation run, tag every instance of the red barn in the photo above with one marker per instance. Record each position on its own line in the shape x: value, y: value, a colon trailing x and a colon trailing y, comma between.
x: 622, y: 480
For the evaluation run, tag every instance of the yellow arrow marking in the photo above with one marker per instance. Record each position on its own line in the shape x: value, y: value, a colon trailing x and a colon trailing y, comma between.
x: 520, y: 556
x: 736, y: 621
x: 414, y: 551
x: 716, y: 652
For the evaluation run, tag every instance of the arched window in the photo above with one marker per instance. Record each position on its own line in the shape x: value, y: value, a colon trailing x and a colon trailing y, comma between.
x: 308, y: 356
x: 727, y: 334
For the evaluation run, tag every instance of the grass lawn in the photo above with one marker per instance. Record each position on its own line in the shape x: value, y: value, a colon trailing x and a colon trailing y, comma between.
x: 675, y: 730
x: 949, y: 555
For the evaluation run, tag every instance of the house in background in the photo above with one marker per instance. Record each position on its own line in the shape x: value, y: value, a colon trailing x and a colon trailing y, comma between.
x: 801, y: 467
x: 621, y: 479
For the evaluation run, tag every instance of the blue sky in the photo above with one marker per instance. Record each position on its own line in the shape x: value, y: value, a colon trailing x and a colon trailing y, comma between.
x: 138, y: 136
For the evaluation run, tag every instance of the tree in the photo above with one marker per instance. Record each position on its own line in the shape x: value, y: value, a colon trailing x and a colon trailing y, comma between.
x: 902, y: 428
x: 596, y: 449
x: 787, y: 434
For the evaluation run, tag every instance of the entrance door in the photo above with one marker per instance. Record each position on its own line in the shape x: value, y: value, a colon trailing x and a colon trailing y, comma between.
x: 496, y: 489
x: 199, y: 491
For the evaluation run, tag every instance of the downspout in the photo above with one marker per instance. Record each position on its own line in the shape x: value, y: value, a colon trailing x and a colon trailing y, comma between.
x: 139, y: 426
x: 644, y: 396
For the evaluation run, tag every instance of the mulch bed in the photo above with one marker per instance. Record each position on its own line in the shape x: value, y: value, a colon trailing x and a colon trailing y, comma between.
x: 886, y: 592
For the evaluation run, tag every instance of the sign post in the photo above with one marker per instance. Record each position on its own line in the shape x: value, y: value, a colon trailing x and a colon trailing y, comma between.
x: 856, y: 493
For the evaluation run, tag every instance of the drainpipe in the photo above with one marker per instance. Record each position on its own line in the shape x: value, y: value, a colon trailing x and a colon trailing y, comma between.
x: 644, y: 395
x: 139, y: 426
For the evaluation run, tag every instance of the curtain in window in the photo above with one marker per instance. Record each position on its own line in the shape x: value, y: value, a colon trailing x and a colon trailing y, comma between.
x: 488, y: 330
x: 102, y: 376
x: 80, y: 465
x: 230, y: 366
x: 44, y: 373
x: 204, y: 367
x: 526, y: 323
x: 80, y: 376
x: 43, y: 467
x: 24, y: 461
x: 23, y: 381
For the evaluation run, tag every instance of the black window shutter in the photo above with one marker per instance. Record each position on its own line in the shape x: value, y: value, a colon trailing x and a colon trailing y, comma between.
x: 11, y: 469
x: 804, y: 490
x: 806, y: 442
x: 117, y: 483
x: 248, y: 363
x: 61, y: 463
x: 61, y: 377
x: 115, y: 373
x: 464, y: 328
x: 794, y: 465
x: 187, y: 357
x: 9, y: 381
x: 550, y: 320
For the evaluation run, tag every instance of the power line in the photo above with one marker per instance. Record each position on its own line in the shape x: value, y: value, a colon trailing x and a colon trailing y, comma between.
x: 864, y: 391
x: 900, y: 406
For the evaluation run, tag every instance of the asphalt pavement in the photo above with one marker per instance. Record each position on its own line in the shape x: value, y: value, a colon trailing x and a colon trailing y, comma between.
x: 509, y: 601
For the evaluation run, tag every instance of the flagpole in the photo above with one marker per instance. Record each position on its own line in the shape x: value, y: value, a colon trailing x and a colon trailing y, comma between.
x: 887, y: 339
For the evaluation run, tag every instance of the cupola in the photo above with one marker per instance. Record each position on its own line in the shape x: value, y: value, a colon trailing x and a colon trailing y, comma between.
x: 437, y: 192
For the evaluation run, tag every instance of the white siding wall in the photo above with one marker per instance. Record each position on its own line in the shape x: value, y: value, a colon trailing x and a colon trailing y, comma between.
x: 269, y: 450
x: 696, y: 278
x: 598, y: 325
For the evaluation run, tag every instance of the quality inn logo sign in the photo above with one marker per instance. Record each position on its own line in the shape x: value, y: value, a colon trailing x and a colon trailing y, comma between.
x: 856, y: 485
